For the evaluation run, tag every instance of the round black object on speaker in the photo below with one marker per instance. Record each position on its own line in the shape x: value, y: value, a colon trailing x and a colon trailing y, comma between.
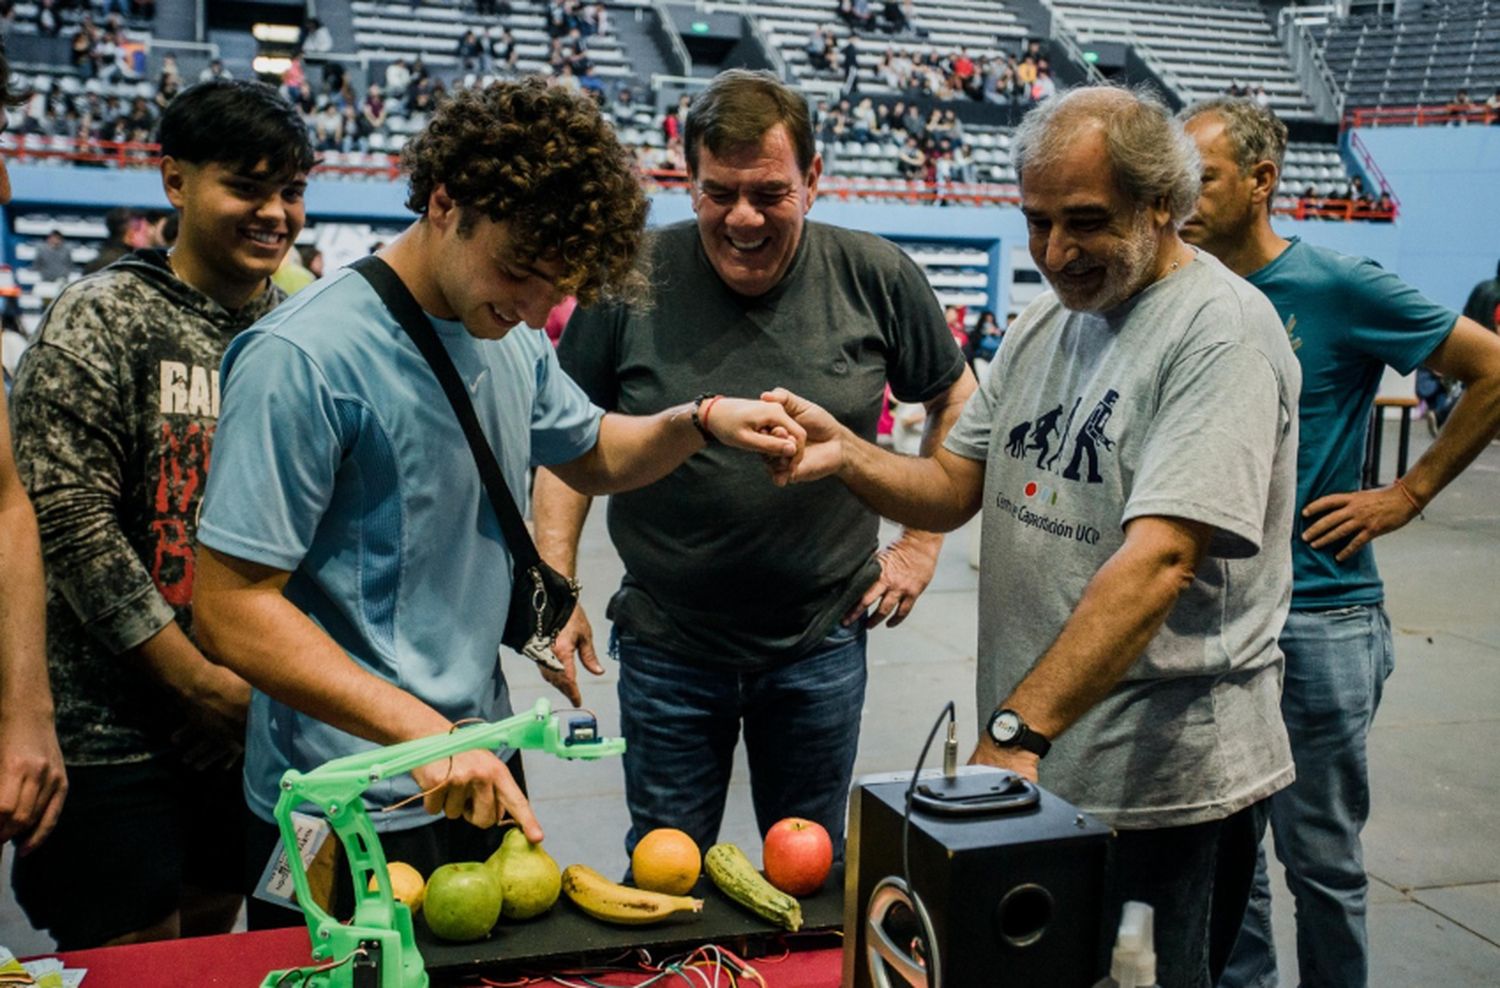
x: 1023, y: 914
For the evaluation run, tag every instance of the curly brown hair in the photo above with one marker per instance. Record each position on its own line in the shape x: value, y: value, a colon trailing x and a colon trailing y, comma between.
x: 545, y: 162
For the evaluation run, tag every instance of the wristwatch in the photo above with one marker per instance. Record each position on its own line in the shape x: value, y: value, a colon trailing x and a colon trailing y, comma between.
x: 1008, y: 730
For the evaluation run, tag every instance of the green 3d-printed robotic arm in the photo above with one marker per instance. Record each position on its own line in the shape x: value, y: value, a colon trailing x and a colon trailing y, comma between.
x: 377, y: 949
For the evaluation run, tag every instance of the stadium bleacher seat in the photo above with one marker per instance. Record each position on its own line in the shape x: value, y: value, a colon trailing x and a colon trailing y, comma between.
x: 1203, y: 44
x: 1202, y: 47
x: 1423, y: 57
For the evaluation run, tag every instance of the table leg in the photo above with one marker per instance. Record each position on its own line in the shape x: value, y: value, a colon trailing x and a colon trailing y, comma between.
x: 1401, y: 454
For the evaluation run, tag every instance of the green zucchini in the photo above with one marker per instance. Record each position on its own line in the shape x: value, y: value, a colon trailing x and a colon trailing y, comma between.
x: 737, y: 878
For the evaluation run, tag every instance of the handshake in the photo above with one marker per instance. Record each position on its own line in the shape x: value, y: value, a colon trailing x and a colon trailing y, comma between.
x: 799, y: 441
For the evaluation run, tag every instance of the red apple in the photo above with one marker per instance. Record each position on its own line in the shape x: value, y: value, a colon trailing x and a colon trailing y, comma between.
x: 798, y: 855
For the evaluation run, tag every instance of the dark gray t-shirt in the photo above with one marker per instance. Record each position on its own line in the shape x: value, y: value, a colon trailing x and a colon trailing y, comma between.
x: 1182, y: 403
x: 720, y: 564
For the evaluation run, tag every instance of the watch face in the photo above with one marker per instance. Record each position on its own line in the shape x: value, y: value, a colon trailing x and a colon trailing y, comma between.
x: 1005, y: 727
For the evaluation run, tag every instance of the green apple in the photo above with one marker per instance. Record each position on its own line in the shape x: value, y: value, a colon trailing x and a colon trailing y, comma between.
x: 463, y: 901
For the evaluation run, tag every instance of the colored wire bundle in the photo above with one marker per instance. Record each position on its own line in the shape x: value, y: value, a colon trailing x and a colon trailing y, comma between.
x: 304, y: 974
x: 709, y: 966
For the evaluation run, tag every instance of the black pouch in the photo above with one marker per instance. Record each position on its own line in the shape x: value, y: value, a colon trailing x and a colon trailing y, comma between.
x: 541, y: 601
x: 541, y: 598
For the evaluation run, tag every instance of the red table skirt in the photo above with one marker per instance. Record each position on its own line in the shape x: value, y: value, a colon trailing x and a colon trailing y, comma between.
x: 242, y: 960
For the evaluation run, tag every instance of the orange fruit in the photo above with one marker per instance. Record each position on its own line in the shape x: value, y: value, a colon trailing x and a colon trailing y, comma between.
x: 666, y: 860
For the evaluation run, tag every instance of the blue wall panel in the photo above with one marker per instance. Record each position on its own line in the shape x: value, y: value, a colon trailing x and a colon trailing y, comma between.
x: 97, y: 189
x: 1448, y: 181
x: 1378, y: 241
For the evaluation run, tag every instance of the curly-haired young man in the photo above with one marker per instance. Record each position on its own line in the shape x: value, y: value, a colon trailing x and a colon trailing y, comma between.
x: 353, y: 570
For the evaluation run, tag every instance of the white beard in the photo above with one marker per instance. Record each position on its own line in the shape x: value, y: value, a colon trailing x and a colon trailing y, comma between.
x: 1126, y: 271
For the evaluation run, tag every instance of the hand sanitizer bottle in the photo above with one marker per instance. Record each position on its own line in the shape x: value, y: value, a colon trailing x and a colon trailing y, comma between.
x: 1133, y: 964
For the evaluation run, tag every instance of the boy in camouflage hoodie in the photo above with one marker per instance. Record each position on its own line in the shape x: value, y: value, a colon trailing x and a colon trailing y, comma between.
x: 115, y: 409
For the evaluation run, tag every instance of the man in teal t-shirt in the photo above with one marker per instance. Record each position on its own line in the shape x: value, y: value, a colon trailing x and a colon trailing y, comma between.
x: 1348, y: 320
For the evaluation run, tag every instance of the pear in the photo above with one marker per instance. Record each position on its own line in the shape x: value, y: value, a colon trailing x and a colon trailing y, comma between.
x: 530, y: 880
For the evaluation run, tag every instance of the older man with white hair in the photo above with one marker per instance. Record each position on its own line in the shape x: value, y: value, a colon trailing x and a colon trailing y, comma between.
x: 1134, y: 455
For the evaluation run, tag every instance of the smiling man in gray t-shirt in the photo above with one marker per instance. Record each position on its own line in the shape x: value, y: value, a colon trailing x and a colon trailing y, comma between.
x: 744, y: 609
x: 1134, y: 456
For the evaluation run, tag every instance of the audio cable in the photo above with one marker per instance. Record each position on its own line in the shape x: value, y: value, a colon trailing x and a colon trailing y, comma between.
x: 950, y: 759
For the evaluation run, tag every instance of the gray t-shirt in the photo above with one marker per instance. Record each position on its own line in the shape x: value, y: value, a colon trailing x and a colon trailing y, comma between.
x: 721, y: 565
x: 1180, y: 403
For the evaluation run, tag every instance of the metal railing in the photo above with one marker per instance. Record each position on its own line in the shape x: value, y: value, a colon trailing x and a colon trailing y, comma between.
x: 209, y: 48
x: 1367, y: 161
x: 778, y: 63
x: 1345, y: 210
x: 757, y: 30
x: 669, y: 28
x: 811, y: 88
x: 387, y: 167
x: 660, y: 80
x: 1371, y: 168
x: 1066, y: 38
x: 1064, y: 31
x: 119, y: 154
x: 1165, y: 72
x: 1425, y: 115
x: 1306, y: 56
x: 1321, y: 13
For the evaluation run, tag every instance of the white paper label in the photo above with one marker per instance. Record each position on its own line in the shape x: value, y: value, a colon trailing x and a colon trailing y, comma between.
x: 276, y: 881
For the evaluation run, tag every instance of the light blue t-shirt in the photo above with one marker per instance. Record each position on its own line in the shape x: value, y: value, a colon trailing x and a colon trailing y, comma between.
x: 339, y: 459
x: 1347, y: 318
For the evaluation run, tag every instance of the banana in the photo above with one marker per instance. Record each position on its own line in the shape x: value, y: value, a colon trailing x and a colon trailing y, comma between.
x: 612, y: 902
x: 737, y: 878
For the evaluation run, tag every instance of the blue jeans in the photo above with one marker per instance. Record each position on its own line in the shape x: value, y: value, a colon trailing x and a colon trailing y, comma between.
x: 681, y: 721
x: 1336, y: 666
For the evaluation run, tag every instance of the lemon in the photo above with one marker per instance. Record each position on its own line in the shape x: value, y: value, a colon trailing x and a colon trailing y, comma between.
x: 407, y: 885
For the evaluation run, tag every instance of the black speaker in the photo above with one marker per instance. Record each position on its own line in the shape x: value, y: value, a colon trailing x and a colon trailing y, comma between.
x: 1010, y: 878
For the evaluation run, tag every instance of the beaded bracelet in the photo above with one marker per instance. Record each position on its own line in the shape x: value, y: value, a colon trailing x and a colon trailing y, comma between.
x: 700, y: 416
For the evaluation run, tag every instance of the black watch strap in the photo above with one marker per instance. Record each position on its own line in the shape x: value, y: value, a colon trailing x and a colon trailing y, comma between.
x: 1023, y: 737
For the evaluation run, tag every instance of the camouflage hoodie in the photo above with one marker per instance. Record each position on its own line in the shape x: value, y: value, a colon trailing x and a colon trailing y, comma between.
x: 114, y: 412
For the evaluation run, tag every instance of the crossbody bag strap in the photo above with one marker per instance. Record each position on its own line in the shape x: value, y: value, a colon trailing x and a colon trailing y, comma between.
x: 399, y: 301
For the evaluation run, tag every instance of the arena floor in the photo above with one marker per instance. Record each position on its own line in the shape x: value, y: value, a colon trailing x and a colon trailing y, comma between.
x: 1434, y: 862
